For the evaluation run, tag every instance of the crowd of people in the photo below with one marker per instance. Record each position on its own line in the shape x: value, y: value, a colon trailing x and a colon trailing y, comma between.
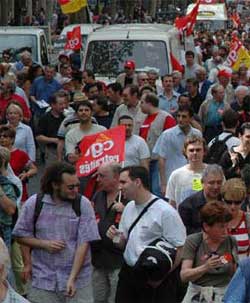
x: 182, y: 192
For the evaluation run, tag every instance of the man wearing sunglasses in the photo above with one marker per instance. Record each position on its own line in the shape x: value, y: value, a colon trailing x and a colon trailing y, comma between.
x: 59, y: 229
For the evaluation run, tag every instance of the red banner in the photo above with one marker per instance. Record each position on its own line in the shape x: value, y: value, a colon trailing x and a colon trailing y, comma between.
x: 74, y: 39
x: 100, y: 148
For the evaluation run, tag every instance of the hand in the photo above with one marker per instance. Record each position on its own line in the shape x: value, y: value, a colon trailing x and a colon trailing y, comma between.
x: 54, y: 246
x: 213, y: 262
x: 70, y: 288
x: 26, y: 273
x: 23, y: 176
x: 234, y: 158
x: 112, y: 232
x: 118, y: 207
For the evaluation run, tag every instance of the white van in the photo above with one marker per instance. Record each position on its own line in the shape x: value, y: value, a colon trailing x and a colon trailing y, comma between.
x: 211, y: 16
x: 16, y: 38
x: 149, y: 45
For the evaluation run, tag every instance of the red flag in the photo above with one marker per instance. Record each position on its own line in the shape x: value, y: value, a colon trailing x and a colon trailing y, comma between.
x: 188, y: 22
x: 74, y: 39
x: 100, y: 148
x: 236, y: 19
x: 176, y: 64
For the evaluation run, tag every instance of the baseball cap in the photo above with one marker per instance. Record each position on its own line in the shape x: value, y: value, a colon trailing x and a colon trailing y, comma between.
x: 224, y: 73
x: 129, y: 64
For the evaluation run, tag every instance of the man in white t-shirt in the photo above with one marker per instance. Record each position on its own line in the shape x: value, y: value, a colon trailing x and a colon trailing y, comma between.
x: 160, y: 220
x: 186, y: 180
x: 136, y: 148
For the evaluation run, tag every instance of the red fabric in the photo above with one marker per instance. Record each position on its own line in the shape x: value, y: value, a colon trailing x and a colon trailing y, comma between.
x: 176, y: 64
x: 169, y: 122
x: 103, y: 147
x: 74, y: 39
x: 187, y: 22
x: 18, y: 160
x: 236, y: 19
x: 17, y: 98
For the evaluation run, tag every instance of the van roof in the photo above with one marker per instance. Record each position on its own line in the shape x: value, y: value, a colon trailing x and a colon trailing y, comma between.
x: 24, y: 30
x: 131, y: 31
x: 85, y: 28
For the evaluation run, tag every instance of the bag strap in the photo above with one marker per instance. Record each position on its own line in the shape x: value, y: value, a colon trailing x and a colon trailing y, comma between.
x: 227, y: 138
x: 37, y: 211
x: 140, y: 215
x: 76, y: 205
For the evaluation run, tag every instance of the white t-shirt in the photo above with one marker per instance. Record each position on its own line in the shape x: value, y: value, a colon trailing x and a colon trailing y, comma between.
x: 182, y: 183
x: 136, y: 149
x: 160, y: 220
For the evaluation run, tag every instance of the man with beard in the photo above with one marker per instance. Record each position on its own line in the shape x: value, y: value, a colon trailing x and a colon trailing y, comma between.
x: 59, y: 235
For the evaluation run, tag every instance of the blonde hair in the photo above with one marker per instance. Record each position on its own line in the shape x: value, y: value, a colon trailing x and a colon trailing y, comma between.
x: 15, y: 106
x: 234, y: 190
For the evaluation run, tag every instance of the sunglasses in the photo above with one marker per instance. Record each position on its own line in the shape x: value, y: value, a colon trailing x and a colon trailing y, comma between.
x: 73, y: 186
x: 3, y: 136
x: 230, y: 202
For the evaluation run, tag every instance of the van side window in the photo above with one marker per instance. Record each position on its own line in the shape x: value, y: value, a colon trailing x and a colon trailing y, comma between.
x: 44, y: 51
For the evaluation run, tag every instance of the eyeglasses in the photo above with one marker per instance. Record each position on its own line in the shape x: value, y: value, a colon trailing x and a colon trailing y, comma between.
x: 230, y: 202
x: 4, y: 136
x: 73, y: 186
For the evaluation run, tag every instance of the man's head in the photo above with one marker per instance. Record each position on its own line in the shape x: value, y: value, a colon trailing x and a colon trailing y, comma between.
x: 91, y: 90
x: 224, y: 77
x: 129, y: 67
x: 26, y: 58
x: 66, y: 70
x: 149, y: 102
x: 88, y: 77
x: 108, y: 177
x: 84, y: 111
x: 58, y: 103
x: 152, y: 77
x: 240, y: 92
x: 49, y: 72
x: 223, y: 51
x: 128, y: 122
x: 167, y: 83
x: 235, y: 79
x: 230, y: 119
x: 192, y: 86
x: 4, y: 157
x: 131, y: 95
x: 194, y: 149
x: 189, y: 56
x: 134, y: 179
x: 201, y: 74
x: 142, y: 79
x: 184, y: 99
x: 114, y: 92
x: 184, y: 116
x: 218, y: 93
x: 212, y: 179
x: 177, y: 77
x: 5, y: 263
x: 8, y: 86
x: 60, y: 181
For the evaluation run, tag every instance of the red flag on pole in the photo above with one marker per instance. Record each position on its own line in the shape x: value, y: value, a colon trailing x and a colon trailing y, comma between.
x: 188, y: 22
x: 74, y: 39
x: 100, y: 148
x: 176, y: 64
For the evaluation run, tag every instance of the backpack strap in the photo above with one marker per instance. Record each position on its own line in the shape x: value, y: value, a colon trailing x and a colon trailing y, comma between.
x: 76, y: 205
x: 140, y: 215
x: 38, y: 208
x: 227, y: 138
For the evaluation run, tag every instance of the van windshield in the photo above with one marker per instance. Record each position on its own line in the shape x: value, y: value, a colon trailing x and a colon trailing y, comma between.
x: 17, y: 42
x: 106, y: 58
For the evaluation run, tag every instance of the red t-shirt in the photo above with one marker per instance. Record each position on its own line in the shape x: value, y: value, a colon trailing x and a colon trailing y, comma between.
x: 18, y: 160
x: 169, y: 122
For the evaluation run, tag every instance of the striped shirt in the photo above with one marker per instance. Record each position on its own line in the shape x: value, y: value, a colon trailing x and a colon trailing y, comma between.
x: 240, y: 232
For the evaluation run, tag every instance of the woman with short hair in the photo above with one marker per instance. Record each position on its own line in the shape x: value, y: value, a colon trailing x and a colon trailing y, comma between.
x: 209, y: 257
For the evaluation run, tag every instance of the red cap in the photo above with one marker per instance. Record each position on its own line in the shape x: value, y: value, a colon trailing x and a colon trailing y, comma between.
x: 129, y: 64
x: 224, y: 73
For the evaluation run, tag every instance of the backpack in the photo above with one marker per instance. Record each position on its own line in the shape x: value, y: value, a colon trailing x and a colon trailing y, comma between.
x: 76, y: 206
x: 216, y: 150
